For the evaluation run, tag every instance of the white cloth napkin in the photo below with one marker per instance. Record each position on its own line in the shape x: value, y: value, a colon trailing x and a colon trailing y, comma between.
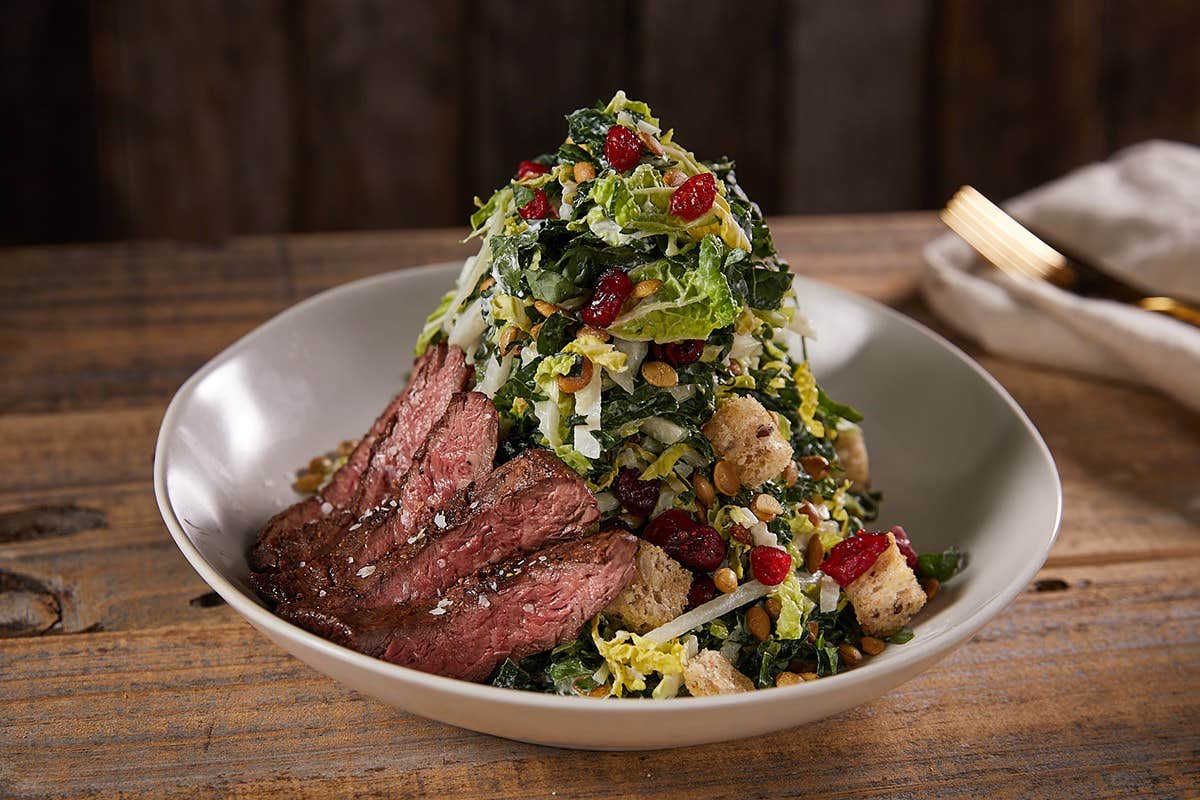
x: 1138, y: 216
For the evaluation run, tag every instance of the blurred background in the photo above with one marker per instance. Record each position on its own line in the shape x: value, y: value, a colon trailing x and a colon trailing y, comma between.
x: 202, y: 119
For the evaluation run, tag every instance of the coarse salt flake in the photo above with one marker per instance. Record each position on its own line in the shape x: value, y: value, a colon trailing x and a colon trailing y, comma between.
x: 355, y: 526
x: 437, y: 612
x: 326, y: 507
x: 366, y: 571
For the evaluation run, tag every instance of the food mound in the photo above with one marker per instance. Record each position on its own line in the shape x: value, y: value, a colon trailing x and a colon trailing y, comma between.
x: 612, y: 472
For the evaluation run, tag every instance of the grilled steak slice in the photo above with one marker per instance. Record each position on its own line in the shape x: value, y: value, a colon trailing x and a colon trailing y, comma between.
x: 529, y: 501
x: 458, y: 451
x: 388, y: 448
x: 512, y: 610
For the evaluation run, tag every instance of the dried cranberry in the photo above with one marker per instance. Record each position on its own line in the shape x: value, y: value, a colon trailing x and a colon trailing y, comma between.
x: 529, y: 168
x: 537, y: 208
x: 904, y: 545
x: 695, y: 196
x: 636, y: 495
x: 701, y: 549
x: 852, y: 557
x: 696, y: 546
x: 668, y: 528
x: 622, y: 148
x: 770, y: 564
x: 679, y: 354
x: 613, y: 288
x: 703, y: 589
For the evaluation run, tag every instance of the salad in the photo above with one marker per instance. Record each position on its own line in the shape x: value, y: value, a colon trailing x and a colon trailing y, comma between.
x: 628, y: 311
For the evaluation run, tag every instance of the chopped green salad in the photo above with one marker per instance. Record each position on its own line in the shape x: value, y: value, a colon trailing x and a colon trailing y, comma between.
x: 627, y: 310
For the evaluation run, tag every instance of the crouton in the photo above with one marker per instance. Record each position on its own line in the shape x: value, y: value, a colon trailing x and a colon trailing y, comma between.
x: 886, y: 596
x: 747, y: 435
x: 708, y: 672
x: 852, y: 456
x: 657, y: 595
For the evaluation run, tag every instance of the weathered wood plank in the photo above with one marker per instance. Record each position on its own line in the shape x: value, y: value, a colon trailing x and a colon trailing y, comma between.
x: 1002, y: 96
x: 380, y: 121
x: 68, y: 451
x: 516, y: 92
x: 194, y: 117
x: 164, y: 309
x: 1156, y: 97
x: 730, y: 61
x: 162, y: 93
x: 125, y: 574
x: 49, y: 131
x: 219, y: 709
x: 854, y: 100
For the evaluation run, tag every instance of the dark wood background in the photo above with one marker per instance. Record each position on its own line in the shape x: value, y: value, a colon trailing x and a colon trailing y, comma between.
x: 201, y: 119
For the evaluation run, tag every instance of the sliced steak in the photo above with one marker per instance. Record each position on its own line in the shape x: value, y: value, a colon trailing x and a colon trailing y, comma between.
x: 512, y: 610
x: 459, y: 450
x: 379, y: 461
x: 527, y: 502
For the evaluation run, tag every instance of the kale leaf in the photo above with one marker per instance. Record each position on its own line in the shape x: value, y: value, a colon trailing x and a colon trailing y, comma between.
x: 939, y: 566
x: 589, y: 126
x: 757, y: 286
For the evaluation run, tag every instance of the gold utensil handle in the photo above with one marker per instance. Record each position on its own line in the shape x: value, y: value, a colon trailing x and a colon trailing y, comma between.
x: 1172, y: 308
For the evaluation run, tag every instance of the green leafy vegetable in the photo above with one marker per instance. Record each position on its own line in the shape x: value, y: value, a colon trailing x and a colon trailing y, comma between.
x: 557, y: 330
x: 589, y: 126
x: 690, y: 304
x: 831, y: 408
x: 939, y: 566
x: 757, y: 286
x: 433, y: 325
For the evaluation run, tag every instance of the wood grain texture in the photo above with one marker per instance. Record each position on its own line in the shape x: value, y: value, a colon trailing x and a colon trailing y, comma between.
x: 127, y: 678
x: 219, y: 710
x: 735, y: 53
x: 515, y: 93
x: 378, y: 126
x: 48, y: 139
x: 1059, y: 90
x: 200, y: 120
x: 855, y: 138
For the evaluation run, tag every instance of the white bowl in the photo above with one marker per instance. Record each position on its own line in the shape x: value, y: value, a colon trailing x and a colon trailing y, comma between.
x: 957, y: 459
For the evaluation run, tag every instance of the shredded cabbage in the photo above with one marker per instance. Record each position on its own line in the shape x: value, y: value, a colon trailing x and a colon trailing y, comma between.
x: 469, y: 329
x: 665, y: 463
x: 690, y: 304
x: 806, y: 385
x: 664, y: 430
x: 511, y: 309
x: 602, y: 354
x: 747, y: 592
x: 495, y: 376
x: 794, y: 608
x: 631, y: 658
x: 433, y: 325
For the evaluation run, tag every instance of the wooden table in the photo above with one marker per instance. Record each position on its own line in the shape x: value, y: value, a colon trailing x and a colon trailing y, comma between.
x: 122, y: 673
